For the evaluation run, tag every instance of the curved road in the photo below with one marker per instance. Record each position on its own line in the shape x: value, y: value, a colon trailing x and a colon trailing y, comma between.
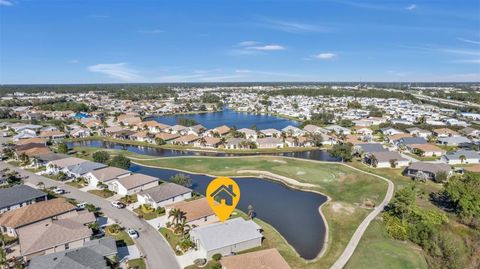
x: 158, y: 253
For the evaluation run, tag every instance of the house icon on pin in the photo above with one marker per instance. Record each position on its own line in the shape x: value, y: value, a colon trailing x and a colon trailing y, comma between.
x: 225, y: 194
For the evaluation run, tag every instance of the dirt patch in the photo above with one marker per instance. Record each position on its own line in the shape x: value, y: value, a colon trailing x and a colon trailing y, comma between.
x: 300, y: 173
x: 341, y: 208
x: 342, y: 177
x: 279, y: 161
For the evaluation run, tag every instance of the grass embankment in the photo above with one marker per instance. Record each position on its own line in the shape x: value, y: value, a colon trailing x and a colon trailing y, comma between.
x: 349, y: 190
x: 137, y: 264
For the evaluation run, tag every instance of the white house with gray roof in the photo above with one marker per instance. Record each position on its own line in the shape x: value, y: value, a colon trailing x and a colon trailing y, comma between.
x: 232, y: 236
x: 19, y: 196
x: 461, y: 157
x: 164, y: 194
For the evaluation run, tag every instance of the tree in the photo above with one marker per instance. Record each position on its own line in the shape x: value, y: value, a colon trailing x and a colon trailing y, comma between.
x: 393, y: 163
x: 251, y: 212
x: 8, y: 152
x: 462, y: 158
x: 182, y: 179
x: 101, y: 156
x: 342, y: 151
x: 186, y: 121
x: 159, y: 141
x: 62, y: 148
x: 421, y: 176
x: 441, y: 177
x: 120, y: 161
x: 463, y: 191
x: 3, y: 253
x: 24, y: 158
x: 354, y: 104
x: 177, y: 215
x: 41, y: 185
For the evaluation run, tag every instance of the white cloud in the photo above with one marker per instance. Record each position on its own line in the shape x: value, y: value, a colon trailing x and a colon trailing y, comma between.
x: 325, y: 56
x: 116, y: 70
x: 271, y: 47
x: 6, y: 3
x: 411, y: 7
x: 151, y: 32
x: 248, y: 43
x: 469, y: 41
x: 292, y: 27
x: 74, y: 61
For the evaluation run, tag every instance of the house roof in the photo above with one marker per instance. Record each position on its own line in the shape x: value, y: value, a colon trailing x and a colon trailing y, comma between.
x: 445, y: 131
x: 386, y: 156
x: 270, y: 131
x: 426, y: 147
x: 469, y: 154
x: 62, y: 163
x: 165, y: 191
x: 371, y: 147
x: 312, y: 128
x: 247, y: 131
x: 262, y: 259
x: 195, y: 209
x: 187, y: 138
x: 269, y: 140
x: 18, y: 194
x: 222, y: 129
x: 48, y: 157
x: 108, y: 173
x: 412, y: 140
x: 36, y: 140
x: 178, y: 127
x: 454, y: 139
x: 231, y: 232
x: 167, y: 136
x: 41, y: 236
x: 433, y: 168
x: 212, y: 140
x: 35, y: 212
x: 51, y: 133
x: 136, y: 180
x: 85, y: 167
x: 235, y: 141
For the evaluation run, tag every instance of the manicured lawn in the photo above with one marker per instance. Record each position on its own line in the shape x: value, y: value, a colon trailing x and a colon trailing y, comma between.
x: 75, y: 184
x: 171, y: 237
x: 121, y: 237
x: 137, y: 263
x: 209, y: 265
x: 377, y: 250
x: 147, y: 216
x: 102, y: 193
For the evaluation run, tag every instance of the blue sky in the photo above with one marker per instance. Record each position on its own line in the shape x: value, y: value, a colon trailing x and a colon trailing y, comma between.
x: 100, y: 41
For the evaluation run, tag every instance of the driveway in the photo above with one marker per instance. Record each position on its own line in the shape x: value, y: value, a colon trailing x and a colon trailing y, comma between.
x: 157, y: 252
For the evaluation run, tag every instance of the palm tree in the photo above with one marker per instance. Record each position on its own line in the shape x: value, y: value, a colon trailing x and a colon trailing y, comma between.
x: 251, y: 211
x: 41, y: 185
x: 177, y: 215
x: 393, y: 163
x: 182, y: 228
x: 373, y: 160
x: 462, y: 158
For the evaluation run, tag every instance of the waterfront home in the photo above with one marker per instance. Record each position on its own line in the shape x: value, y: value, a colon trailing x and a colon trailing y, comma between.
x: 19, y: 127
x: 429, y: 169
x: 178, y: 129
x: 236, y: 143
x: 405, y: 141
x: 328, y: 139
x: 19, y: 196
x: 132, y: 184
x: 80, y: 133
x: 314, y: 129
x: 105, y: 175
x: 112, y: 129
x: 208, y: 142
x: 269, y: 142
x: 143, y: 136
x: 93, y: 255
x: 81, y: 169
x: 221, y: 130
x: 167, y: 137
x: 337, y: 129
x: 396, y: 137
x: 453, y: 141
x: 249, y: 133
x: 262, y: 259
x: 35, y: 213
x: 55, y: 166
x: 292, y: 131
x: 301, y: 141
x: 197, y: 212
x: 232, y: 236
x: 444, y: 132
x: 33, y: 140
x: 31, y: 150
x: 185, y: 140
x: 362, y: 130
x: 164, y: 194
x: 52, y: 135
x: 153, y: 126
x: 425, y: 150
x: 131, y: 121
x: 470, y: 132
x: 55, y: 235
x: 122, y: 134
x: 365, y: 148
x: 41, y: 160
x: 385, y: 159
x: 390, y: 131
x: 196, y: 129
x: 271, y: 132
x: 461, y: 157
x: 419, y: 132
x: 24, y: 134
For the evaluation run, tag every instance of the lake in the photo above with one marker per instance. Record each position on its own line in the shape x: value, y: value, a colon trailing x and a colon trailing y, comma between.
x: 293, y: 213
x: 230, y: 118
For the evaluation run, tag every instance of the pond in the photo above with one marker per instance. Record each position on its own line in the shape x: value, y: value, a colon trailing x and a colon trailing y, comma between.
x: 230, y: 118
x: 294, y: 213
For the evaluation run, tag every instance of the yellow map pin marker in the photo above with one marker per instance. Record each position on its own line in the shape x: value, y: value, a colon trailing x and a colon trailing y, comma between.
x: 223, y: 195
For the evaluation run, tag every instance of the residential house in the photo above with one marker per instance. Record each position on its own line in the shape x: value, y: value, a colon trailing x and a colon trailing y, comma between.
x: 34, y: 213
x: 313, y: 129
x: 269, y: 142
x: 262, y: 259
x: 419, y: 132
x: 93, y: 255
x: 208, y: 142
x: 55, y: 235
x: 338, y: 129
x: 444, y: 132
x: 164, y: 194
x: 236, y: 143
x: 122, y: 134
x: 167, y: 137
x: 143, y: 136
x: 249, y: 133
x: 384, y: 159
x: 292, y: 131
x: 453, y: 141
x: 105, y: 175
x: 185, y: 140
x: 221, y: 130
x: 362, y: 130
x: 232, y: 236
x: 425, y: 150
x: 366, y: 148
x: 81, y: 169
x: 390, y: 131
x: 197, y: 212
x: 56, y: 166
x: 19, y: 196
x: 461, y: 157
x: 178, y: 129
x: 24, y: 134
x: 52, y: 135
x: 132, y: 184
x: 271, y: 132
x: 470, y: 132
x: 80, y: 133
x: 301, y: 141
x: 196, y: 129
x: 405, y: 141
x: 153, y: 127
x: 42, y: 160
x: 429, y: 169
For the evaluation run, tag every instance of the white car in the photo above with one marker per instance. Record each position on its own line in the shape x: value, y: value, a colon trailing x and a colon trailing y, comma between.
x: 118, y: 204
x: 81, y: 206
x: 132, y: 233
x: 58, y: 190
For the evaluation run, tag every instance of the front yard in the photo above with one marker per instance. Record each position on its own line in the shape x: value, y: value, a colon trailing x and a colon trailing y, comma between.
x: 102, y: 193
x: 120, y: 236
x: 136, y: 264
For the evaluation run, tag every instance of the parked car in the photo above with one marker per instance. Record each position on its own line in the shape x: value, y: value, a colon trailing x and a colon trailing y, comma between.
x: 58, y: 190
x: 132, y: 233
x: 81, y: 206
x: 118, y: 204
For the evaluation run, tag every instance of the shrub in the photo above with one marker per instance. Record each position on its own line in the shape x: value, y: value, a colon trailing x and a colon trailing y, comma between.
x: 216, y: 257
x: 101, y: 156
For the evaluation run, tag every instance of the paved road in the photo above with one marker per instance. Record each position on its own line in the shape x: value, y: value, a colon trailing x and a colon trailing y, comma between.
x: 151, y: 243
x: 353, y: 243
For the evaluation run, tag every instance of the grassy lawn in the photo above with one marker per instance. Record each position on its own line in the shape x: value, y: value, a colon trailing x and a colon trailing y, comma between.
x: 121, y: 237
x: 420, y: 158
x: 209, y: 265
x: 171, y: 237
x: 137, y: 264
x: 147, y: 216
x: 102, y: 193
x: 75, y: 184
x: 377, y: 250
